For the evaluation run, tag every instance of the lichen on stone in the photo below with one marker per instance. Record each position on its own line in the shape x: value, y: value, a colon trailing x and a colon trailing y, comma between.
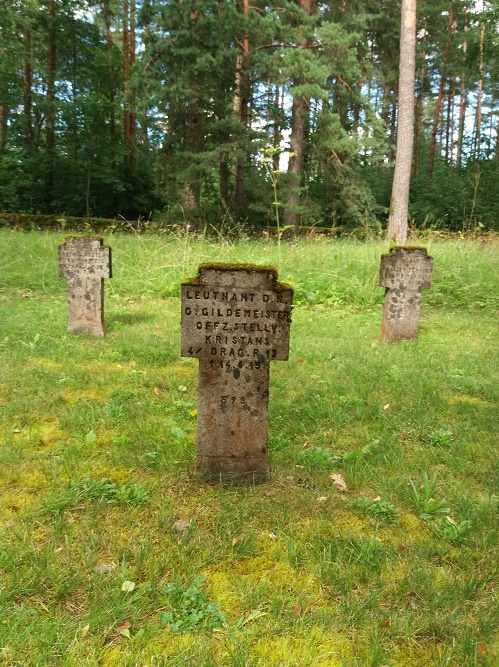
x: 228, y: 266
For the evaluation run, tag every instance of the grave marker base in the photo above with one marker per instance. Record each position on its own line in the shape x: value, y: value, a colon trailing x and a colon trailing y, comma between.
x: 232, y: 422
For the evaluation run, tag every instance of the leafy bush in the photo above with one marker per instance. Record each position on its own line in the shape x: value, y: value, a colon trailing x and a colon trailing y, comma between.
x: 381, y: 509
x: 105, y: 490
x: 189, y: 608
x: 424, y: 501
x: 450, y: 530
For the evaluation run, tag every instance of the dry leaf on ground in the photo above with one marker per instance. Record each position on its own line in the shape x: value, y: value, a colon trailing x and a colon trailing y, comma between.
x: 106, y: 567
x: 309, y: 606
x: 482, y: 649
x: 128, y: 586
x: 123, y: 626
x: 338, y: 479
x: 181, y: 524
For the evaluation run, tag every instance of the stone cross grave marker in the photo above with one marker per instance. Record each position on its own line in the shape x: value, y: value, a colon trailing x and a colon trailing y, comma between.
x: 85, y: 262
x: 235, y: 320
x: 404, y: 272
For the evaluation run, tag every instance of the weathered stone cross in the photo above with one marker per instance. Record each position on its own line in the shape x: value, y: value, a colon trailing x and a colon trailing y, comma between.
x: 85, y: 262
x: 404, y: 272
x: 235, y: 320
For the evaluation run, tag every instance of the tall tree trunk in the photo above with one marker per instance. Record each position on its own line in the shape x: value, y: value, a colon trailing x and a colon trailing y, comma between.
x: 144, y: 122
x: 106, y: 10
x: 448, y: 120
x: 133, y: 117
x: 399, y: 207
x: 126, y: 76
x: 193, y: 144
x: 51, y: 78
x: 3, y: 108
x: 240, y: 105
x: 479, y: 97
x: 438, y: 107
x: 462, y: 107
x: 3, y: 126
x: 224, y: 175
x: 3, y: 121
x: 28, y: 82
x: 52, y: 62
x: 452, y: 118
x: 419, y: 105
x: 276, y: 130
x: 299, y: 110
x: 224, y: 138
x: 493, y: 85
x: 295, y: 165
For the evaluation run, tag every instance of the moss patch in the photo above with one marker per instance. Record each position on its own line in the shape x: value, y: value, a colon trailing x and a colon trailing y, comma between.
x: 226, y: 266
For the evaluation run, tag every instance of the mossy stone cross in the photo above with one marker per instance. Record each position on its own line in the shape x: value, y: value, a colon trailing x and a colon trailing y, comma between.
x: 85, y: 262
x: 404, y: 272
x: 235, y: 320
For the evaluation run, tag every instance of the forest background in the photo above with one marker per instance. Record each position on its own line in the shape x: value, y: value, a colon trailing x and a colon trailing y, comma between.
x: 207, y: 112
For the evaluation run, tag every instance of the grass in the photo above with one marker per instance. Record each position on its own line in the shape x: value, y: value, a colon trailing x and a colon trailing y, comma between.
x: 112, y: 554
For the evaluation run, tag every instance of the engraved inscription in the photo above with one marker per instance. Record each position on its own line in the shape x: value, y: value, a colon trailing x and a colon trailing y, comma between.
x: 217, y: 329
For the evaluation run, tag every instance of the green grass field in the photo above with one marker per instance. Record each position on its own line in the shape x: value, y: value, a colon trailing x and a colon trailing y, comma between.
x: 113, y: 554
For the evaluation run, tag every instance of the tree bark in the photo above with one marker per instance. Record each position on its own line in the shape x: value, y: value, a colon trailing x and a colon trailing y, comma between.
x: 3, y: 119
x: 276, y: 129
x: 419, y: 105
x: 128, y: 48
x: 28, y: 81
x: 399, y: 207
x: 240, y: 104
x: 52, y: 63
x: 51, y: 78
x: 3, y: 109
x: 295, y: 165
x: 144, y: 121
x: 192, y: 186
x: 493, y: 85
x: 109, y: 41
x: 448, y: 120
x: 3, y: 127
x: 133, y: 117
x: 479, y: 97
x: 300, y: 108
x: 462, y: 108
x: 224, y: 174
x: 436, y: 117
